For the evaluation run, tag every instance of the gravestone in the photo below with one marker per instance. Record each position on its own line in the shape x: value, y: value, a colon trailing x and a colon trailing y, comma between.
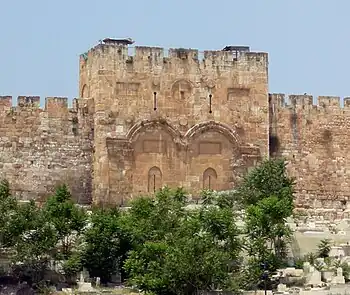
x: 306, y: 268
x: 339, y: 278
x: 313, y: 279
x: 346, y: 249
x: 327, y: 276
x: 281, y: 288
x: 343, y: 225
x: 336, y: 251
x: 98, y: 281
x: 85, y: 274
x: 84, y: 286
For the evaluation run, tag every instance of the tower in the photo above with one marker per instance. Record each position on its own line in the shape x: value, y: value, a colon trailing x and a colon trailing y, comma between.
x: 177, y: 118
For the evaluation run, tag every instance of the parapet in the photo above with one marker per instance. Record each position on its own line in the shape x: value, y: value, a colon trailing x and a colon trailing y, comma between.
x: 28, y: 101
x: 5, y: 102
x: 230, y: 56
x: 309, y: 102
x: 54, y: 106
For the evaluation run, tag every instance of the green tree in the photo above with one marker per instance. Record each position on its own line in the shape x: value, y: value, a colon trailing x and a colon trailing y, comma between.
x: 24, y: 230
x: 67, y: 219
x: 224, y: 199
x: 182, y: 250
x: 37, y: 236
x: 267, y: 179
x: 72, y: 265
x: 311, y: 258
x: 8, y: 209
x: 34, y: 244
x: 324, y: 248
x: 40, y: 235
x: 106, y: 245
x: 266, y: 194
x: 152, y: 219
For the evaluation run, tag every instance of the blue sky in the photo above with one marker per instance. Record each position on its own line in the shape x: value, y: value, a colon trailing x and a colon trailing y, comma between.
x: 307, y: 40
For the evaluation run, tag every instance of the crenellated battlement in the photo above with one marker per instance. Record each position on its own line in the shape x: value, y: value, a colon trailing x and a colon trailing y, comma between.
x: 309, y: 102
x: 230, y: 56
x: 53, y: 105
x: 28, y: 109
x: 28, y: 101
x: 42, y: 145
x: 312, y: 133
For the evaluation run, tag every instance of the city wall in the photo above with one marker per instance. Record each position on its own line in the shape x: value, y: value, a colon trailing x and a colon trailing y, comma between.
x: 42, y: 148
x: 315, y: 139
x: 177, y: 117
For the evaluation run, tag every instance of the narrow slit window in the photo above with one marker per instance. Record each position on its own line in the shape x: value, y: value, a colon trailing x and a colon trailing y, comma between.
x: 154, y: 101
x: 210, y: 98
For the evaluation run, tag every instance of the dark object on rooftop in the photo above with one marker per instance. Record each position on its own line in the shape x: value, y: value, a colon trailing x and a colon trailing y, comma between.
x: 237, y: 48
x: 126, y: 41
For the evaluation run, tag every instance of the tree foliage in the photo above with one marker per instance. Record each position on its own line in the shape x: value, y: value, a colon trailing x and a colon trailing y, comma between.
x: 8, y: 208
x: 268, y: 179
x: 37, y: 237
x: 106, y: 245
x: 266, y: 194
x: 67, y: 219
x: 163, y: 244
x: 185, y: 250
x: 324, y: 248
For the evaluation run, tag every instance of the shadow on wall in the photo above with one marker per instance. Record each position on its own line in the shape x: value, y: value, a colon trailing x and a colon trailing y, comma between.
x: 274, y: 145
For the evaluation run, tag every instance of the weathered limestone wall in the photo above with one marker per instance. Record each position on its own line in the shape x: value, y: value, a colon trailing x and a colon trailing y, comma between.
x: 40, y: 149
x: 315, y: 140
x: 154, y: 124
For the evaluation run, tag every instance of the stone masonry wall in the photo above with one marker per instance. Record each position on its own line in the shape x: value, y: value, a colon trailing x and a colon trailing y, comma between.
x: 40, y: 149
x: 154, y: 124
x: 179, y: 118
x: 315, y: 141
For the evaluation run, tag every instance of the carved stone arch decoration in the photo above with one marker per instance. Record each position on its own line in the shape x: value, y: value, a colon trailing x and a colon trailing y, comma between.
x: 154, y: 179
x: 84, y: 91
x: 136, y: 129
x: 156, y: 83
x: 181, y: 89
x: 209, y: 179
x: 208, y: 83
x: 221, y: 128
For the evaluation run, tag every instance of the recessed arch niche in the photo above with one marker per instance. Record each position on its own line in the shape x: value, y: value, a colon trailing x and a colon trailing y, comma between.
x: 181, y: 90
x: 154, y: 144
x: 209, y: 179
x: 154, y: 179
x: 212, y: 144
x: 84, y: 91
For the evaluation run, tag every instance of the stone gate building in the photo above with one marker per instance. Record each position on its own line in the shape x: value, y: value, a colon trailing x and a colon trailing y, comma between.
x: 152, y: 117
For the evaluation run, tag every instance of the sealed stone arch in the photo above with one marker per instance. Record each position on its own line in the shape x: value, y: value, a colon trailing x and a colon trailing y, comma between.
x: 154, y: 179
x: 156, y: 144
x: 213, y: 126
x: 161, y: 124
x: 212, y: 144
x: 209, y: 179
